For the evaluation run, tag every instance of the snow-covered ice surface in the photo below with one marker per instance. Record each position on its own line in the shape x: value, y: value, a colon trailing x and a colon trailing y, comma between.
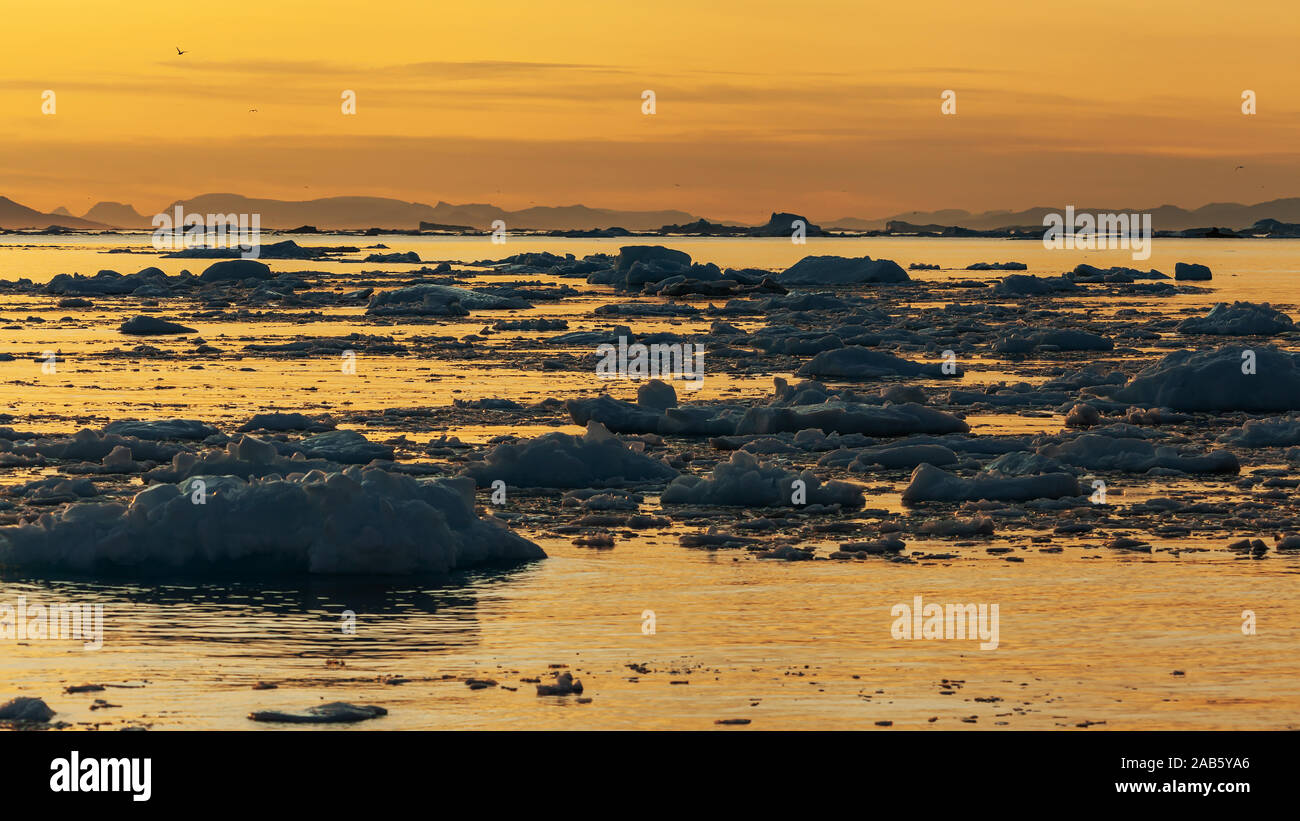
x: 358, y: 521
x: 396, y: 445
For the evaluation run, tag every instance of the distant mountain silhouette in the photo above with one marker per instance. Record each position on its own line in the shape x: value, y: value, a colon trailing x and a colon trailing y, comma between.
x: 368, y: 212
x: 118, y: 215
x: 14, y: 216
x: 330, y: 213
x: 359, y: 213
x: 1164, y: 218
x: 558, y: 218
x: 61, y: 212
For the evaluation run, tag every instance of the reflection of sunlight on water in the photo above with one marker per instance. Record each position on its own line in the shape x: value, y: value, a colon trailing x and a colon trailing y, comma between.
x: 1004, y: 424
x: 737, y: 629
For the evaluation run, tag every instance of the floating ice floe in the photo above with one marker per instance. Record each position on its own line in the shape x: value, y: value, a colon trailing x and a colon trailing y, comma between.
x: 156, y: 430
x: 646, y: 309
x: 563, y: 685
x: 832, y: 416
x: 118, y: 461
x: 849, y: 417
x: 25, y: 708
x: 438, y: 300
x: 107, y: 283
x: 1024, y: 463
x: 357, y: 522
x: 833, y: 270
x: 1239, y: 319
x: 92, y: 446
x: 1264, y: 433
x: 1089, y: 273
x: 330, y: 345
x: 745, y: 481
x: 960, y: 528
x: 1083, y: 415
x: 863, y: 363
x: 1094, y: 452
x: 932, y: 484
x: 808, y: 440
x: 1062, y: 340
x: 890, y: 457
x: 595, y: 459
x: 141, y: 325
x: 249, y: 456
x: 1027, y: 285
x: 537, y: 324
x: 396, y: 256
x: 997, y: 266
x: 347, y: 447
x: 287, y: 422
x: 888, y: 546
x: 1191, y: 271
x: 335, y: 712
x: 656, y: 394
x: 802, y: 343
x: 638, y: 265
x: 235, y: 269
x: 1256, y: 380
x: 625, y: 417
x: 1086, y: 377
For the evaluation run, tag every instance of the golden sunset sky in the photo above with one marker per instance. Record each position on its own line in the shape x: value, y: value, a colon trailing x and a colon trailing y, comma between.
x: 830, y: 109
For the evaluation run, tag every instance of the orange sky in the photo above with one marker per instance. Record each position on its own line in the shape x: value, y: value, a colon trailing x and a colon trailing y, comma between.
x: 826, y: 108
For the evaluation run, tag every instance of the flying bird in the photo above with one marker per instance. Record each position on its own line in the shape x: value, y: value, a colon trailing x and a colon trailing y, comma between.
x: 251, y: 110
x: 1238, y: 168
x: 178, y: 51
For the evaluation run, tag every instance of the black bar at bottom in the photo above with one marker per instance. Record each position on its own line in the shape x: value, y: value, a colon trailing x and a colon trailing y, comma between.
x: 326, y: 770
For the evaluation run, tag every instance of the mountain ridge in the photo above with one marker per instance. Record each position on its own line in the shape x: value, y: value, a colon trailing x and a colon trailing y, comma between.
x: 15, y: 216
x: 362, y: 212
x: 1163, y: 217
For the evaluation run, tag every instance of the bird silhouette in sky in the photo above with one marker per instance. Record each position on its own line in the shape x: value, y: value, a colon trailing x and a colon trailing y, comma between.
x: 252, y: 110
x: 178, y: 51
x: 1238, y: 168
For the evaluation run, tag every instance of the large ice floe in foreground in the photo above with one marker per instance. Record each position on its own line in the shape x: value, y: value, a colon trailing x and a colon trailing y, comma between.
x: 1253, y: 379
x: 357, y: 522
x: 596, y: 459
x: 746, y: 481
